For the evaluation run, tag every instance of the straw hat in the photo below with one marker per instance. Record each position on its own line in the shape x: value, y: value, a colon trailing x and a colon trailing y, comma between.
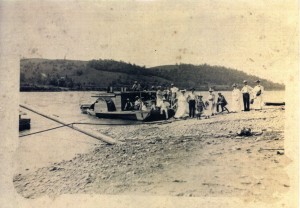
x: 234, y: 85
x: 245, y: 81
x: 210, y: 90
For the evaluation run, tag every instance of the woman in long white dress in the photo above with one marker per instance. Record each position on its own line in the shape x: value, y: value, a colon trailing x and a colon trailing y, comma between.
x: 258, y: 92
x: 236, y: 99
x: 181, y: 111
x: 211, y: 108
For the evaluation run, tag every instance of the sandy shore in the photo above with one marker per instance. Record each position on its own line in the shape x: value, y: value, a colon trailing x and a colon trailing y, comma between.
x: 190, y: 157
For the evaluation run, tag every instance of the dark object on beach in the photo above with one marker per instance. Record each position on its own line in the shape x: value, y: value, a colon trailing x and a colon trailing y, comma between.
x: 24, y: 123
x: 251, y: 101
x: 280, y: 152
x: 245, y: 132
x: 274, y: 103
x: 85, y: 107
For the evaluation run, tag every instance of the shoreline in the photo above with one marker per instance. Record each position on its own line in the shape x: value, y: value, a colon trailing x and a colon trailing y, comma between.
x: 190, y: 157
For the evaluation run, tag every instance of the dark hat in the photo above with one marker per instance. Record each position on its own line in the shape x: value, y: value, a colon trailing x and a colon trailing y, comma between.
x: 219, y: 93
x: 257, y: 81
x: 192, y: 89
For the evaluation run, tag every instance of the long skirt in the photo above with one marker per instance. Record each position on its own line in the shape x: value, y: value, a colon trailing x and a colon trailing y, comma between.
x: 258, y: 103
x: 181, y: 111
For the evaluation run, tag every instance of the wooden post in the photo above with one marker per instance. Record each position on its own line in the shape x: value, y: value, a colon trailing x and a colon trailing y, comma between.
x: 96, y: 135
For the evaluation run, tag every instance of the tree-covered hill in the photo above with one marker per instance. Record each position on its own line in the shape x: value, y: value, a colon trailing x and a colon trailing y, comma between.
x: 99, y: 74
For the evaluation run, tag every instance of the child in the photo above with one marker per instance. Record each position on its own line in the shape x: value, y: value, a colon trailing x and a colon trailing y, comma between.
x: 200, y: 107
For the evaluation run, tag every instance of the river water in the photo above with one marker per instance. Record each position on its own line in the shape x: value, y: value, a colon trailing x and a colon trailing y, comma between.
x: 45, y: 148
x: 66, y: 106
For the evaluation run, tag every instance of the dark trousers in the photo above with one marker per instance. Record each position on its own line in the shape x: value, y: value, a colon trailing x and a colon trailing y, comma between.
x: 222, y: 107
x: 246, y: 99
x: 192, y: 107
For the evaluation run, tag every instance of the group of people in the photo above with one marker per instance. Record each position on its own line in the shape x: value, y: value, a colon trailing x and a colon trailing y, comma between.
x: 250, y: 96
x: 190, y: 104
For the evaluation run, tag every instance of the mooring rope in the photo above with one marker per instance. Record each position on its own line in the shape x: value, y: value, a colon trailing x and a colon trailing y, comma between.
x: 37, y: 132
x: 87, y: 123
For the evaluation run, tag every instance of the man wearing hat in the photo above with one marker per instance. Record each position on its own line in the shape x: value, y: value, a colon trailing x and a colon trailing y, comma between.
x: 258, y: 91
x: 191, y: 98
x: 128, y: 105
x: 246, y: 91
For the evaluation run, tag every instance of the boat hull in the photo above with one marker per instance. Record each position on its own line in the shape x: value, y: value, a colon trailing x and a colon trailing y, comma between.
x: 136, y: 115
x: 130, y: 115
x: 274, y: 103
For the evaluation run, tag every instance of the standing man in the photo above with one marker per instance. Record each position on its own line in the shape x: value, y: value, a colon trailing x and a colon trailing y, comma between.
x: 258, y: 92
x: 192, y: 103
x: 159, y: 96
x: 246, y: 90
x: 173, y: 91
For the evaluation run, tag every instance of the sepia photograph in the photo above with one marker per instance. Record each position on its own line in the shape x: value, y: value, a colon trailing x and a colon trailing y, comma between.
x: 149, y: 103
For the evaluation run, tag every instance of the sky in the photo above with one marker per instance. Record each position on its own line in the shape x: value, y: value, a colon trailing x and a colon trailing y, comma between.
x: 257, y: 37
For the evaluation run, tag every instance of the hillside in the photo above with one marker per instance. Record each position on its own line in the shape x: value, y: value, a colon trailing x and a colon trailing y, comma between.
x: 43, y: 74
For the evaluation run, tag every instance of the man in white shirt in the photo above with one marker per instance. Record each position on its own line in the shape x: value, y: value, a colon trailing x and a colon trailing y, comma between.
x: 246, y: 90
x: 164, y: 107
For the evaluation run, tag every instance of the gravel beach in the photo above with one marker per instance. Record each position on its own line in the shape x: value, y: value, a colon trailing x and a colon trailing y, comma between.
x: 189, y: 158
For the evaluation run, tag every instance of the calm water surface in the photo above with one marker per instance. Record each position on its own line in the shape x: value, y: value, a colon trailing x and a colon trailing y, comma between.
x: 65, y: 105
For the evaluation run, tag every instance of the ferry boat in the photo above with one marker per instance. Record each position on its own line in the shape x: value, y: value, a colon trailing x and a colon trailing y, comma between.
x: 112, y: 106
